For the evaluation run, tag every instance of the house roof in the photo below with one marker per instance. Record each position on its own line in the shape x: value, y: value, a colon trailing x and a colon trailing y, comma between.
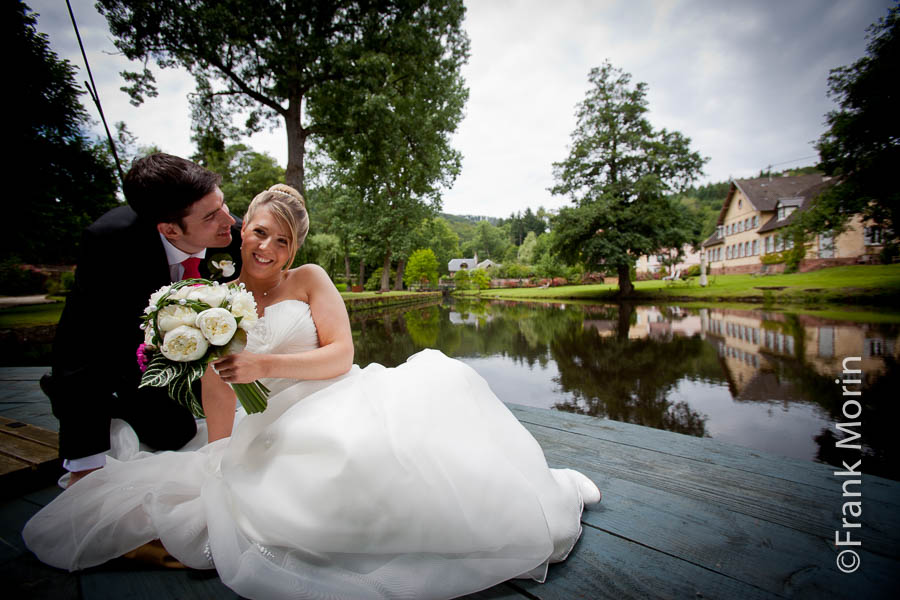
x: 764, y: 193
x: 802, y: 201
x: 455, y: 264
x: 713, y: 240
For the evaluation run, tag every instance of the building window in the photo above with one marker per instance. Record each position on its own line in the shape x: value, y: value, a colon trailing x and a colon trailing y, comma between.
x: 747, y: 248
x: 747, y: 224
x: 720, y: 230
x: 755, y: 247
x: 874, y: 236
x: 740, y: 251
x: 769, y: 244
x: 740, y: 225
x: 740, y: 201
x: 755, y: 221
x: 779, y: 245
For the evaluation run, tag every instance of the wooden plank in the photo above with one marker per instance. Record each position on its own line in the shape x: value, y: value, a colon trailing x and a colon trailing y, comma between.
x: 765, y: 555
x: 604, y: 566
x: 185, y: 584
x: 793, y: 505
x: 22, y: 373
x: 704, y: 450
x: 33, y: 453
x: 29, y: 432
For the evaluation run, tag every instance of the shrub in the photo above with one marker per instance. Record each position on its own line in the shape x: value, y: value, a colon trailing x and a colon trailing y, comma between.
x: 462, y: 280
x: 19, y: 280
x: 692, y: 271
x: 374, y: 282
x: 480, y: 279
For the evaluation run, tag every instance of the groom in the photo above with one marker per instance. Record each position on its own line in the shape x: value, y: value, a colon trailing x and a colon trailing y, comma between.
x: 176, y: 226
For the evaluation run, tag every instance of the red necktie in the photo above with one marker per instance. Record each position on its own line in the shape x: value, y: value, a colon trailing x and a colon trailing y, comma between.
x: 190, y: 268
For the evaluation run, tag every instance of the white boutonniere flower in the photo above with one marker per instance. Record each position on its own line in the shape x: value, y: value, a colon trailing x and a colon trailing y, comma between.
x: 221, y: 266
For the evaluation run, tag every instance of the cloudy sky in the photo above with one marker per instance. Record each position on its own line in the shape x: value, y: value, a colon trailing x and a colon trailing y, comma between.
x: 745, y: 80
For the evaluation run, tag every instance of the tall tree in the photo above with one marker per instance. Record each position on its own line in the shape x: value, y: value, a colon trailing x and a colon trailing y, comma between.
x: 862, y: 144
x: 293, y: 61
x: 60, y: 180
x: 398, y: 155
x: 619, y: 174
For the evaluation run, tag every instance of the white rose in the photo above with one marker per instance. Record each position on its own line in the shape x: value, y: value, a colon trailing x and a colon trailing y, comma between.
x: 175, y: 315
x: 226, y: 266
x: 210, y: 294
x: 244, y: 305
x: 184, y: 344
x: 217, y: 325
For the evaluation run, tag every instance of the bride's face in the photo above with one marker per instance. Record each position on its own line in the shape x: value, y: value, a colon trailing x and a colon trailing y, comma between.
x: 266, y: 244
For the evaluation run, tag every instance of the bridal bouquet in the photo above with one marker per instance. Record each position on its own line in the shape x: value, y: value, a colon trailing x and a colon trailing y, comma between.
x: 187, y: 325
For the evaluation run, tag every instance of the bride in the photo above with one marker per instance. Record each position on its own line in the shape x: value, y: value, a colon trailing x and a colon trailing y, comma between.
x: 412, y: 482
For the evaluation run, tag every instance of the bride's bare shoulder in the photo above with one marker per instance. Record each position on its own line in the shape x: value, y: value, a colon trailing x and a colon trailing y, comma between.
x: 309, y: 278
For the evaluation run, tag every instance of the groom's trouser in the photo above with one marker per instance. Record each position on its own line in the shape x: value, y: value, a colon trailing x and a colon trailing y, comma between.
x: 84, y: 415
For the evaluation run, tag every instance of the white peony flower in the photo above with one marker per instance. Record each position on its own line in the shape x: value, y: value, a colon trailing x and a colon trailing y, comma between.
x: 175, y: 315
x: 181, y: 293
x: 184, y: 344
x: 244, y: 305
x: 212, y: 295
x: 226, y: 266
x: 218, y: 325
x: 154, y: 298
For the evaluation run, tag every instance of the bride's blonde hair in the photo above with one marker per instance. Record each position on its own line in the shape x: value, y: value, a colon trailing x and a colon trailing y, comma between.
x: 289, y: 208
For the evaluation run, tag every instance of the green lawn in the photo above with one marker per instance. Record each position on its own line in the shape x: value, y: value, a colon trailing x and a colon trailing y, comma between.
x: 31, y: 315
x: 860, y: 284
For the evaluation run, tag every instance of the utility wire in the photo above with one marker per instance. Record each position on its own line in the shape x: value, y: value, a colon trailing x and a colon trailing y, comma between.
x: 92, y: 91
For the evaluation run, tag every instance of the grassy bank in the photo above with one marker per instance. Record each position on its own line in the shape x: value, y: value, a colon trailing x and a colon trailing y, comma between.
x: 32, y: 315
x: 861, y: 284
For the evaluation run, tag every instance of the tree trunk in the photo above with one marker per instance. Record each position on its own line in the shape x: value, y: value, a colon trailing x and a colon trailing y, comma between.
x: 362, y: 271
x: 398, y: 284
x: 386, y: 271
x: 296, y: 137
x: 347, y: 269
x: 625, y: 285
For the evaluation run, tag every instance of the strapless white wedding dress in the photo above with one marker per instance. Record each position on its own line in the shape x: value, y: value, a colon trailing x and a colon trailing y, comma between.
x: 411, y: 482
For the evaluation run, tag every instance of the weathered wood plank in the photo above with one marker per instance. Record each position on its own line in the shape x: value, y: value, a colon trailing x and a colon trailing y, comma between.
x: 704, y: 450
x: 22, y: 373
x: 790, y: 504
x: 29, y: 432
x: 33, y: 453
x: 766, y: 555
x: 605, y: 566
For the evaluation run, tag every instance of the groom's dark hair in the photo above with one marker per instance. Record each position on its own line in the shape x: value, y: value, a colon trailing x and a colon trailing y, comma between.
x: 161, y: 187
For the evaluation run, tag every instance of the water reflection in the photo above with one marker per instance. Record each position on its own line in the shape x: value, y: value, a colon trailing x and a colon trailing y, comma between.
x: 755, y: 378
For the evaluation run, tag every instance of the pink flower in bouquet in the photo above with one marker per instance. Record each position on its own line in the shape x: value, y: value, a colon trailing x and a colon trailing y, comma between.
x: 142, y: 359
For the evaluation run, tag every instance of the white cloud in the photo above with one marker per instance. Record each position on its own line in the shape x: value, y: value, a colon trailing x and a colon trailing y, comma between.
x: 745, y: 81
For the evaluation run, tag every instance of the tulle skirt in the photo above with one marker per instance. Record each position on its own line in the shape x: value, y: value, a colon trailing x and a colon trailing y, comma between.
x: 412, y: 482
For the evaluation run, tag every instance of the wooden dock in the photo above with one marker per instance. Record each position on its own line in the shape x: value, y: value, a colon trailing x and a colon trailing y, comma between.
x: 681, y: 517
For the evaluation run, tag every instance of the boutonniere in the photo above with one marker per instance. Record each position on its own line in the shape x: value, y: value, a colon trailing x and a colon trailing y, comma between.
x: 220, y: 266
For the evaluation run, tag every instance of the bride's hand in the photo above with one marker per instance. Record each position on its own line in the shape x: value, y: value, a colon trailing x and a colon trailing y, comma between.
x: 245, y: 367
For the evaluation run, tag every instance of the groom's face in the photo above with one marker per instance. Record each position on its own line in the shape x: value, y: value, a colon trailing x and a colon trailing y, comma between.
x: 206, y: 225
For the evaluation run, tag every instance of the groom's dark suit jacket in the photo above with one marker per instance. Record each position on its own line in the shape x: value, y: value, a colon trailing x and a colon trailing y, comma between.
x: 122, y: 261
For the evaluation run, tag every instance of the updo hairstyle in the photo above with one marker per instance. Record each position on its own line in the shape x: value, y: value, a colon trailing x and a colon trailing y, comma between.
x: 289, y: 208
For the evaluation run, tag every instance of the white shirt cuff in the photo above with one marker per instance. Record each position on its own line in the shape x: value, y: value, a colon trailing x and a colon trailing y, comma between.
x: 83, y: 464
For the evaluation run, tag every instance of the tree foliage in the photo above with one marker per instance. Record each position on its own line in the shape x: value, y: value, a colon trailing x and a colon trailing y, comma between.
x: 862, y: 144
x: 398, y: 157
x: 60, y: 181
x: 422, y: 268
x: 620, y: 174
x: 311, y: 65
x: 245, y: 173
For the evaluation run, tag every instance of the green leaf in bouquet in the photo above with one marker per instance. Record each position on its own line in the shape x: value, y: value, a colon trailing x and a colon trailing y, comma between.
x: 181, y: 388
x: 160, y: 371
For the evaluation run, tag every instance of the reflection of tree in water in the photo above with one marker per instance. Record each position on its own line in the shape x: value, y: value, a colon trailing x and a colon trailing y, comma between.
x: 879, y: 418
x: 629, y: 380
x: 423, y: 325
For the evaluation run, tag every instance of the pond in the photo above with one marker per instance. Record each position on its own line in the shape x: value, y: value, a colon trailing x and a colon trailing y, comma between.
x: 761, y: 379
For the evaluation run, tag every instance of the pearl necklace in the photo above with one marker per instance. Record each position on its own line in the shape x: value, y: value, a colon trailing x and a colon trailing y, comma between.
x: 280, y: 279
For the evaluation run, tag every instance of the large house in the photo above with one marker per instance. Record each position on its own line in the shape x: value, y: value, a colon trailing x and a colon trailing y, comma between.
x: 467, y: 264
x: 752, y: 221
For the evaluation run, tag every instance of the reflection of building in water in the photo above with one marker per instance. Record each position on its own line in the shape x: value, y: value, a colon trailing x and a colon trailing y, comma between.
x: 750, y: 344
x: 650, y: 321
x: 457, y: 318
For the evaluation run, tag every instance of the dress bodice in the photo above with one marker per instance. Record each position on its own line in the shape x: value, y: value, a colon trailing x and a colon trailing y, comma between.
x: 286, y: 327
